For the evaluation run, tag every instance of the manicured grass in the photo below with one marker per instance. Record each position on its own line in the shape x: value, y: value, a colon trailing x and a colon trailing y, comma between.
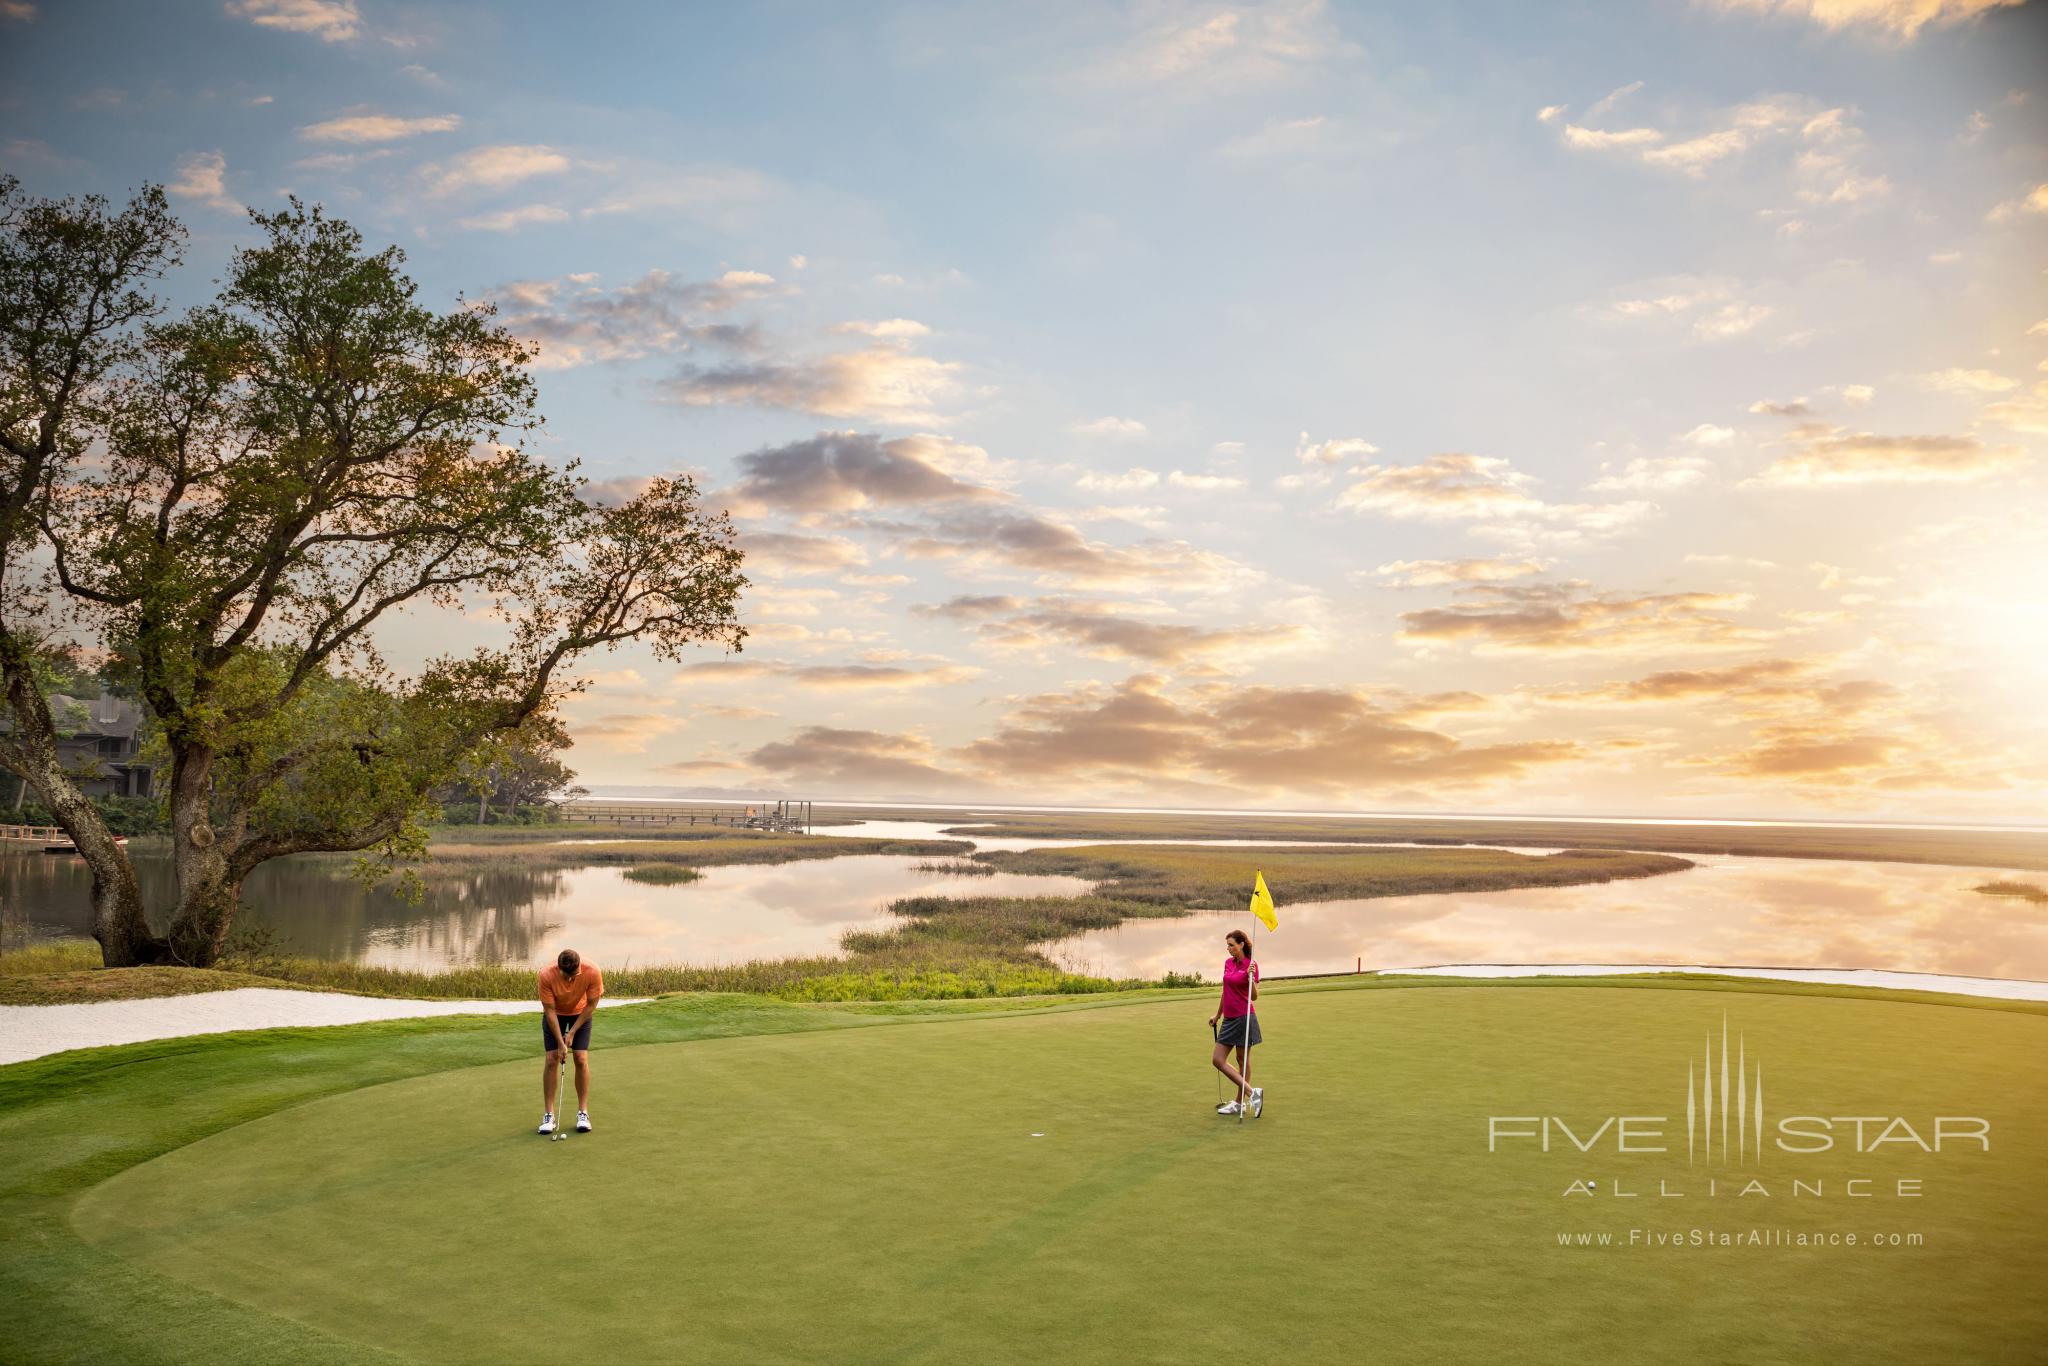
x: 755, y: 1193
x: 1191, y: 877
x: 1971, y: 848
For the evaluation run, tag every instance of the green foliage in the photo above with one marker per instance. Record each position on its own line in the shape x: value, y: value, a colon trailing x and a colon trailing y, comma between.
x: 123, y: 815
x: 462, y: 811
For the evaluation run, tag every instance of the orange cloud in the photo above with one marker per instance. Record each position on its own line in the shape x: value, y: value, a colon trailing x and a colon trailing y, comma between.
x: 1566, y: 619
x: 1101, y: 632
x: 1270, y: 739
x: 1830, y: 455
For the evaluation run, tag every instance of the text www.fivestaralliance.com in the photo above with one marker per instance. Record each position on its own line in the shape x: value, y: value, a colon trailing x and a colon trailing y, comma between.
x: 1708, y: 1239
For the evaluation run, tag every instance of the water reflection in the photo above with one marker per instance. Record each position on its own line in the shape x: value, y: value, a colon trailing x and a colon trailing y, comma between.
x: 513, y: 914
x: 1738, y: 911
x: 1760, y: 912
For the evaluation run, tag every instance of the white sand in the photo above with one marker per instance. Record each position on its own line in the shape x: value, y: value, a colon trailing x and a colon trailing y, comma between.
x: 2004, y: 988
x: 35, y: 1031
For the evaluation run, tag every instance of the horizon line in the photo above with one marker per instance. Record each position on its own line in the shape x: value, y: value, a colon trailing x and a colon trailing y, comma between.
x: 599, y: 792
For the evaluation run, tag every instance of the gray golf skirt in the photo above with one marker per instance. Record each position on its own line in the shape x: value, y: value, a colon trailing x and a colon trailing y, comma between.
x: 1230, y: 1030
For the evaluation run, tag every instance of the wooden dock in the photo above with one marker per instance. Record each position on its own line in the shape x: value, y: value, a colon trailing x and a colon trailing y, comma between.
x: 789, y: 817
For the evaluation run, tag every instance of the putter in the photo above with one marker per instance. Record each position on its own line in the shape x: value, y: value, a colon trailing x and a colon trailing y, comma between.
x: 1219, y: 1076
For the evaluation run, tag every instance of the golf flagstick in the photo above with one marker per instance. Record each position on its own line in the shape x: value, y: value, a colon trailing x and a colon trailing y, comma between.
x: 1244, y: 1092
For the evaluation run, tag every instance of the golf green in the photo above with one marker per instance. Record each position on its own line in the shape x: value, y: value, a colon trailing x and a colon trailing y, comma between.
x: 1054, y: 1186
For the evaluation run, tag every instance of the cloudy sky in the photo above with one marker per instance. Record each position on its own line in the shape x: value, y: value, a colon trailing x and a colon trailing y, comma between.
x: 1630, y: 408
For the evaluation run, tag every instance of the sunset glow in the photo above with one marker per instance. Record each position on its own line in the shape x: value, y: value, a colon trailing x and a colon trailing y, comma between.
x: 1268, y: 406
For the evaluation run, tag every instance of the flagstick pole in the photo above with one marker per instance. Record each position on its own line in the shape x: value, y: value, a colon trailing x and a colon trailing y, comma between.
x: 1251, y: 955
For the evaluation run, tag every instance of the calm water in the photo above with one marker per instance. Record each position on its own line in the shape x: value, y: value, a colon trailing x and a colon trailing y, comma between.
x: 518, y: 915
x: 1758, y: 912
x: 1900, y: 917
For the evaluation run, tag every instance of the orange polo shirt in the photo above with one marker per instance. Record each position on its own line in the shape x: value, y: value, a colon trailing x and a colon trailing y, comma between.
x: 571, y: 995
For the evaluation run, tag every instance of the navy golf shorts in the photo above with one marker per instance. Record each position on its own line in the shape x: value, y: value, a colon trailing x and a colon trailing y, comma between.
x: 579, y: 1044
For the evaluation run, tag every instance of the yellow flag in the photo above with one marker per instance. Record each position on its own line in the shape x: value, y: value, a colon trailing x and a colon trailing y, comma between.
x: 1262, y: 902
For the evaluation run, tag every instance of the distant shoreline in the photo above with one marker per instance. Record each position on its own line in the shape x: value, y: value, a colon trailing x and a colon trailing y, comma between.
x: 599, y: 798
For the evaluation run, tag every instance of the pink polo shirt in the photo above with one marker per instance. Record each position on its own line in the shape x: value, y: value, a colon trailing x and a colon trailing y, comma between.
x: 1236, y: 992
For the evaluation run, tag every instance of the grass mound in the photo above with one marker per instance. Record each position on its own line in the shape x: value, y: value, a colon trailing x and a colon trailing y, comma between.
x: 67, y: 971
x: 662, y: 874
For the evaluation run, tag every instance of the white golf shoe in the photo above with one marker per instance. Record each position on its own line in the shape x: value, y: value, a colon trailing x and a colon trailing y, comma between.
x: 547, y: 1124
x: 583, y: 1121
x: 1228, y: 1107
x: 1258, y: 1102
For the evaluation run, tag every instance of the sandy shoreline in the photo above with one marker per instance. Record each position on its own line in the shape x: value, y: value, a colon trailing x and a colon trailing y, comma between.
x: 37, y: 1031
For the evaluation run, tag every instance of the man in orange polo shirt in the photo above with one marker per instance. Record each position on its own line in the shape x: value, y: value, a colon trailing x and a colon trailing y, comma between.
x: 569, y: 993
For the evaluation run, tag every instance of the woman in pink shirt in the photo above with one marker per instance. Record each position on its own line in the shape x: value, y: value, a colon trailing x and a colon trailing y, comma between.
x: 1239, y: 1029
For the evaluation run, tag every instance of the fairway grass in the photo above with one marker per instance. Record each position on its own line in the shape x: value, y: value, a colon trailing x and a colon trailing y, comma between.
x: 772, y: 1182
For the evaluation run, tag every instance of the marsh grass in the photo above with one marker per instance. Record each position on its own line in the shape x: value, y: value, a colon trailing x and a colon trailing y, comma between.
x: 1176, y: 878
x: 51, y: 955
x: 463, y: 855
x: 955, y: 868
x: 2025, y: 891
x: 1971, y: 848
x: 960, y: 971
x: 662, y: 874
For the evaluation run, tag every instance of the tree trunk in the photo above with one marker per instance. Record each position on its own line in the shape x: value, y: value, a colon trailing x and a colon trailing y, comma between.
x: 118, y: 921
x: 208, y: 893
x: 206, y: 912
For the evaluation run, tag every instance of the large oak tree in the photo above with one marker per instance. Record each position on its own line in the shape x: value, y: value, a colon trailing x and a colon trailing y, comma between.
x: 231, y: 502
